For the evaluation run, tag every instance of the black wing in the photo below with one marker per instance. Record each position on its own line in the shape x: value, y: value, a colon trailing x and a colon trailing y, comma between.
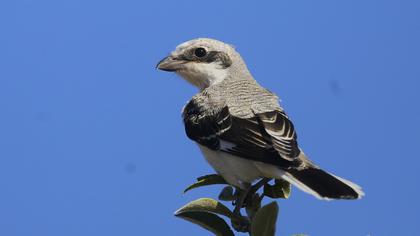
x: 267, y: 137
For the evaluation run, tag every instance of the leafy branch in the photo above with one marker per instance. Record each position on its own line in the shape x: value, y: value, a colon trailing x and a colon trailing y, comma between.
x: 258, y: 221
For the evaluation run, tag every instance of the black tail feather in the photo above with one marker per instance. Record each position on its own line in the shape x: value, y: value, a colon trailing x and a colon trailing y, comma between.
x: 324, y: 184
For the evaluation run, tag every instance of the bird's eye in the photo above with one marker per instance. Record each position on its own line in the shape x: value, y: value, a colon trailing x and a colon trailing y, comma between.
x: 200, y: 52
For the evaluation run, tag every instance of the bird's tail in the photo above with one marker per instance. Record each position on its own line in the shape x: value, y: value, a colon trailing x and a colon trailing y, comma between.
x: 322, y: 184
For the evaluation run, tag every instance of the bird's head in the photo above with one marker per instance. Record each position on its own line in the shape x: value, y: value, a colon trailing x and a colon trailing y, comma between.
x: 204, y: 62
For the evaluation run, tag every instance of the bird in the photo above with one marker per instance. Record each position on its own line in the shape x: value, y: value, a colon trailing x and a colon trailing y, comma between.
x: 240, y: 127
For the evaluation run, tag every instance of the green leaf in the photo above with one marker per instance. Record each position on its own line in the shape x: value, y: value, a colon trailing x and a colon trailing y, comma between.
x: 206, y: 180
x: 208, y: 221
x: 280, y: 189
x: 264, y: 222
x: 205, y: 205
x: 227, y: 194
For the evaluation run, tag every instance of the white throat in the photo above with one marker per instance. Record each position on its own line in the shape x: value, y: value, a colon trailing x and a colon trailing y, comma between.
x: 203, y: 75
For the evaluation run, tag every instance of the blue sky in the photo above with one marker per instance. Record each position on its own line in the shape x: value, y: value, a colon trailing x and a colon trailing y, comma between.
x: 91, y: 139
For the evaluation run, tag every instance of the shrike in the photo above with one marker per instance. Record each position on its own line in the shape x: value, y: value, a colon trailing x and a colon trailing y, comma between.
x: 240, y: 127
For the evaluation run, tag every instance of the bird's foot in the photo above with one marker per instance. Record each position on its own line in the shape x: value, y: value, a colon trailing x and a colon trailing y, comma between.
x: 240, y: 223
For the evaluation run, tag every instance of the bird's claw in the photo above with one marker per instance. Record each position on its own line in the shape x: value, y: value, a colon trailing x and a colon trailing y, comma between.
x: 240, y: 223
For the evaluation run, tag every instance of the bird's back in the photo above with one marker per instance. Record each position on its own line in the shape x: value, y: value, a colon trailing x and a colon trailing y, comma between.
x: 243, y: 97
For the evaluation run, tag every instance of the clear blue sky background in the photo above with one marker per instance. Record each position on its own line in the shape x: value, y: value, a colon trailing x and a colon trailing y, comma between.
x: 91, y: 139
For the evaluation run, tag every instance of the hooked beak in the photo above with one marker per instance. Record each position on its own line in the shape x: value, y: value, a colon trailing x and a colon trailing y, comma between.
x: 170, y: 63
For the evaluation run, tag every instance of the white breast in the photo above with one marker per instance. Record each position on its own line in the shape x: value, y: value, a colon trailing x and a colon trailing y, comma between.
x: 238, y: 171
